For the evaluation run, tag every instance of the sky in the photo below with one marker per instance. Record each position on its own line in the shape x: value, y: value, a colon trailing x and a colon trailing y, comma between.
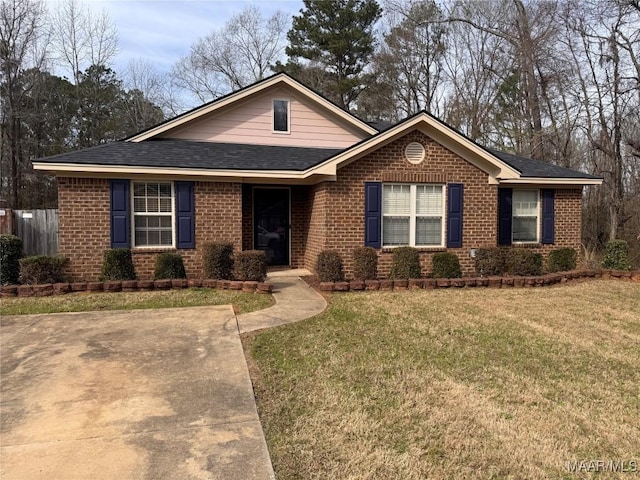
x: 162, y: 31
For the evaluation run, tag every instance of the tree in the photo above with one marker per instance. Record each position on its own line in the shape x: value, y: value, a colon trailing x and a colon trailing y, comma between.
x: 337, y: 36
x: 107, y: 111
x: 238, y: 54
x: 21, y: 28
x: 605, y: 44
x: 410, y: 60
x: 82, y: 38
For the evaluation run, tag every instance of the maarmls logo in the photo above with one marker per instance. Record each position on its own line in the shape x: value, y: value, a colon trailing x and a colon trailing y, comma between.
x: 618, y: 466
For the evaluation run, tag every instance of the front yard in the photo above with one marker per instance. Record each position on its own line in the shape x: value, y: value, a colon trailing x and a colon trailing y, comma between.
x: 455, y: 384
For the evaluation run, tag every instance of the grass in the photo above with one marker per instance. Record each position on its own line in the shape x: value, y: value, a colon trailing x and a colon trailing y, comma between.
x: 81, y: 302
x: 454, y: 384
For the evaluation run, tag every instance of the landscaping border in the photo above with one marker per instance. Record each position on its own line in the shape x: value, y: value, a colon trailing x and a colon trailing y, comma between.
x: 130, y: 286
x: 491, y: 282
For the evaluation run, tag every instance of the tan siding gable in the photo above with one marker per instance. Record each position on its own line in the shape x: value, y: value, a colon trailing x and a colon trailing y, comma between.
x: 251, y: 122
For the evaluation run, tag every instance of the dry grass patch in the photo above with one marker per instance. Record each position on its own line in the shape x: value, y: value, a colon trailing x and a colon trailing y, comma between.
x: 454, y: 384
x: 83, y: 302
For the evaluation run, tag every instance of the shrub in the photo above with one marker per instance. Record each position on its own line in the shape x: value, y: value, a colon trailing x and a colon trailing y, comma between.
x: 251, y: 265
x: 42, y: 269
x: 446, y: 265
x: 117, y: 264
x: 169, y: 265
x: 521, y: 261
x: 562, y: 260
x: 490, y: 261
x: 10, y: 253
x: 365, y: 263
x: 406, y: 263
x: 329, y: 266
x: 616, y: 255
x: 218, y: 260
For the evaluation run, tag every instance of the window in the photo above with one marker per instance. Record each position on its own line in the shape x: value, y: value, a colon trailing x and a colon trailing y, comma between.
x: 412, y: 215
x: 153, y: 214
x: 525, y: 216
x: 281, y: 116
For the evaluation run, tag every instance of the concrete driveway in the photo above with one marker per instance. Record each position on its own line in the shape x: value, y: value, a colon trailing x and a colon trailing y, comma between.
x: 148, y: 394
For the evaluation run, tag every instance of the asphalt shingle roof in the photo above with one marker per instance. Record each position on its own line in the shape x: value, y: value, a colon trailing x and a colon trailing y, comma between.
x: 238, y: 156
x: 528, y: 167
x: 190, y: 154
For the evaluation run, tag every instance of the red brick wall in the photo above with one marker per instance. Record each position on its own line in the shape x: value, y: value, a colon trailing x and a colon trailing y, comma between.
x: 85, y: 225
x: 341, y: 203
x: 387, y: 164
x: 316, y: 234
x: 300, y: 219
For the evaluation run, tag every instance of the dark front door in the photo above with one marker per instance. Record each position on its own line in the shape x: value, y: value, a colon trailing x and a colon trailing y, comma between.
x: 271, y: 223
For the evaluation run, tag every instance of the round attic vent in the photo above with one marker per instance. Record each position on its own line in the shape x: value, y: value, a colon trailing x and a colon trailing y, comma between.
x: 414, y: 152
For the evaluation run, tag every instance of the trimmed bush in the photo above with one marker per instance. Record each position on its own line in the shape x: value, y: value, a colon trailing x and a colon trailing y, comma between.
x: 169, y: 266
x: 218, y: 260
x: 490, y: 261
x: 561, y: 260
x: 523, y: 262
x: 117, y: 264
x: 41, y: 269
x: 10, y: 254
x: 406, y: 263
x: 251, y: 265
x: 329, y: 266
x: 616, y: 255
x: 446, y: 265
x: 365, y: 263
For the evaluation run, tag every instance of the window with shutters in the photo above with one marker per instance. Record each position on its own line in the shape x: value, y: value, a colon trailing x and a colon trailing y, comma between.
x: 525, y: 216
x: 153, y: 219
x: 413, y: 215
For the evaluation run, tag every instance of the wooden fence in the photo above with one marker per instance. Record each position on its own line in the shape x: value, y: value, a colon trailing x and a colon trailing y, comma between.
x: 38, y: 229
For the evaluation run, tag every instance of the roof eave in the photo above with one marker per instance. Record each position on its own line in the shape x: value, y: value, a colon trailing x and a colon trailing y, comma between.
x: 550, y: 181
x: 114, y: 171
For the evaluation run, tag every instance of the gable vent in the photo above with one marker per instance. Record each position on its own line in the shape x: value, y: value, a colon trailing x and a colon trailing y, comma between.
x: 414, y: 152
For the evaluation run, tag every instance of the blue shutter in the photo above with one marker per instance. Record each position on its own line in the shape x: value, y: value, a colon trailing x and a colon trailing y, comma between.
x: 505, y: 216
x: 120, y: 223
x: 372, y: 214
x: 185, y: 215
x: 454, y: 215
x: 548, y: 216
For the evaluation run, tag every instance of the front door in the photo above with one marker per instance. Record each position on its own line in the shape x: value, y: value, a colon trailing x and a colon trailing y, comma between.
x: 271, y: 223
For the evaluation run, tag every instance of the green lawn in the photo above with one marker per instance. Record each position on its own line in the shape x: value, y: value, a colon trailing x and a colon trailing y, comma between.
x: 81, y: 302
x: 443, y: 384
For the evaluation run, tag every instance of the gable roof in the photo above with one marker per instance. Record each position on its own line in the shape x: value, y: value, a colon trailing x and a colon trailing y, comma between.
x: 221, y: 102
x: 502, y: 167
x: 438, y: 131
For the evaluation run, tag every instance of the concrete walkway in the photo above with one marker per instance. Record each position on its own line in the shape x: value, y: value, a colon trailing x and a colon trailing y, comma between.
x: 295, y: 301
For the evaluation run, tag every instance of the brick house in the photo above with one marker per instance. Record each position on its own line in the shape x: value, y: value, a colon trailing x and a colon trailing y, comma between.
x: 275, y: 166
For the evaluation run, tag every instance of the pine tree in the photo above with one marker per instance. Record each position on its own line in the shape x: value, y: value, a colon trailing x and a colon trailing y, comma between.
x: 335, y: 37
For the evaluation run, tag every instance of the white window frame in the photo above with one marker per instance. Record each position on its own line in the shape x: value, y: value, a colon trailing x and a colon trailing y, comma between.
x: 273, y: 116
x: 413, y: 188
x: 134, y: 214
x: 538, y: 217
